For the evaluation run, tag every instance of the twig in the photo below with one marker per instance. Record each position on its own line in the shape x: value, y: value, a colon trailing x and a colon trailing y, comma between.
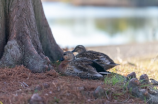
x: 54, y: 84
x: 22, y: 84
x: 28, y: 76
x: 110, y: 95
x: 25, y: 84
x: 149, y: 100
x: 106, y: 95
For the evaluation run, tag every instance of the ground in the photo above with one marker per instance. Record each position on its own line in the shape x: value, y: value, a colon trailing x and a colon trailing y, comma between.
x: 18, y: 84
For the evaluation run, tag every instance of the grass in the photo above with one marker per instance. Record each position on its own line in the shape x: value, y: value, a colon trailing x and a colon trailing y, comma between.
x: 140, y: 65
x: 114, y: 79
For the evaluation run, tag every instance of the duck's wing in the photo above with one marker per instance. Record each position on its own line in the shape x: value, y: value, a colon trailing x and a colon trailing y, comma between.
x: 84, y: 65
x: 98, y: 57
x: 89, y: 66
x: 88, y: 54
x: 85, y: 68
x: 102, y: 58
x: 104, y: 64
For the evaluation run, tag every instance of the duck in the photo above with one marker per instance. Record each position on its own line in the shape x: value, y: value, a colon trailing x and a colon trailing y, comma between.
x: 81, y: 67
x: 100, y: 58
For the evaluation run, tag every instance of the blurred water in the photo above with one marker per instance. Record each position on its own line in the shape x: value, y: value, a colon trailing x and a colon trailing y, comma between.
x: 95, y: 26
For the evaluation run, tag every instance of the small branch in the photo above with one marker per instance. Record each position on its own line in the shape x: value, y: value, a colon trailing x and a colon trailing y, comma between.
x: 28, y: 76
x: 106, y: 95
x: 25, y: 84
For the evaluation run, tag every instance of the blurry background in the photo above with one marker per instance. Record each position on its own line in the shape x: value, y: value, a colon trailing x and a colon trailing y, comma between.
x: 102, y: 22
x: 125, y: 30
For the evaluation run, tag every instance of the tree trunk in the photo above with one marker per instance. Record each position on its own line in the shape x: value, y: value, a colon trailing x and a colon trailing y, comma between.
x: 25, y: 36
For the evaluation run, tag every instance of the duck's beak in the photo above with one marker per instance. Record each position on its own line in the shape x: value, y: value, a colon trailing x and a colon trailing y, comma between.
x: 62, y: 59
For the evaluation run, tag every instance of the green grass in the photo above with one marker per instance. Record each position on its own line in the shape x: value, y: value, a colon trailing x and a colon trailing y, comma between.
x: 114, y: 79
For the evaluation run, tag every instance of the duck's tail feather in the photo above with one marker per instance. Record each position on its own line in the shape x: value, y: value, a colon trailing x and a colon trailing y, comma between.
x: 109, y: 66
x: 104, y: 73
x: 113, y: 64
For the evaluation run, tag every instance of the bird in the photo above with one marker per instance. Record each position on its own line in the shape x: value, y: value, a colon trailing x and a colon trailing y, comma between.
x: 82, y: 67
x: 100, y: 58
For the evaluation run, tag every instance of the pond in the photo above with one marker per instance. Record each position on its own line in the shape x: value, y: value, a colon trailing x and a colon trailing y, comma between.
x: 96, y: 26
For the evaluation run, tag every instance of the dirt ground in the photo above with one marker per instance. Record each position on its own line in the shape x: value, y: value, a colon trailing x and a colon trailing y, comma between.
x: 18, y: 84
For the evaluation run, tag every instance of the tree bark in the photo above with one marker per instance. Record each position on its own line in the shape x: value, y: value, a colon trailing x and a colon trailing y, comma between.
x: 25, y: 36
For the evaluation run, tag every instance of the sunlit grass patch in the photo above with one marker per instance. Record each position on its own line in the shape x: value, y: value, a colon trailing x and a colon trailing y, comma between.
x: 143, y: 65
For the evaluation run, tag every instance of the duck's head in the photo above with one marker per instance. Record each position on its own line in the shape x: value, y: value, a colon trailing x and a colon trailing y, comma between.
x: 79, y: 49
x: 68, y: 56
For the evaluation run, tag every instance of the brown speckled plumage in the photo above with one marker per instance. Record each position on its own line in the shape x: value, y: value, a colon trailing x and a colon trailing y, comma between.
x: 78, y: 67
x: 100, y: 58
